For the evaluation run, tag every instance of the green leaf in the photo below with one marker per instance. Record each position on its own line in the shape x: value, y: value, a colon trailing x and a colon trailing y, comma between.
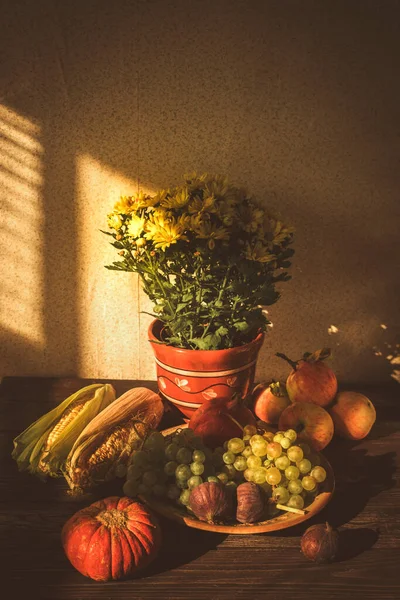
x: 221, y: 331
x: 117, y: 245
x: 241, y: 326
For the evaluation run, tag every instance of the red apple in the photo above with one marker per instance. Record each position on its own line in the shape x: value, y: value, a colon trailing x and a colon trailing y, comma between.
x: 269, y: 401
x: 313, y: 424
x: 353, y: 415
x: 311, y: 379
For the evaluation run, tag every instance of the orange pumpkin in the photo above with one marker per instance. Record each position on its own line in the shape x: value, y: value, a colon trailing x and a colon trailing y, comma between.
x: 111, y: 539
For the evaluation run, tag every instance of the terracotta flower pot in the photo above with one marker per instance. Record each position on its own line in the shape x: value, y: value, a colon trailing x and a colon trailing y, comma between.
x: 187, y: 378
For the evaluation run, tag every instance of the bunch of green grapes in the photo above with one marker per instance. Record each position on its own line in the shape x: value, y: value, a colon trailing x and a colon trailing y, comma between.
x: 288, y: 471
x: 169, y: 467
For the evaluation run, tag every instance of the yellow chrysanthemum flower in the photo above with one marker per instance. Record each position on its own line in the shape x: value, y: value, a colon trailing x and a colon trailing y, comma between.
x: 125, y: 205
x: 177, y: 199
x: 114, y: 221
x: 249, y: 217
x: 135, y: 226
x: 199, y: 206
x: 163, y: 230
x: 205, y: 229
x: 258, y: 252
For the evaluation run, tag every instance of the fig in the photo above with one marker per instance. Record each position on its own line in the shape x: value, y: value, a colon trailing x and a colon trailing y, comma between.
x: 320, y: 543
x: 311, y: 379
x: 211, y: 502
x: 250, y: 503
x: 219, y: 420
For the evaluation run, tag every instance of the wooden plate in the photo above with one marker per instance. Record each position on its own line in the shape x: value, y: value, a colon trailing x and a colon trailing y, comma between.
x: 282, y: 521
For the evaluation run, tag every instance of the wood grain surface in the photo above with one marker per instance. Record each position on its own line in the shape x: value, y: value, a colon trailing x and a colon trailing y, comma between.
x: 198, y: 564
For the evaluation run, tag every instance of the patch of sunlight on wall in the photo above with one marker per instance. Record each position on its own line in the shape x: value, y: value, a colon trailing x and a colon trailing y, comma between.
x: 21, y: 241
x: 108, y: 301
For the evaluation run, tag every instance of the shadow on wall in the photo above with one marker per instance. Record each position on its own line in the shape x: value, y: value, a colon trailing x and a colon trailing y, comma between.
x: 297, y: 105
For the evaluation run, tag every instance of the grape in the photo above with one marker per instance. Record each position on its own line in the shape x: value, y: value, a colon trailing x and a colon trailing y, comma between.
x: 228, y: 458
x: 291, y: 435
x: 266, y: 487
x: 319, y: 474
x: 292, y: 472
x: 273, y: 476
x: 179, y: 439
x: 198, y: 456
x: 246, y: 439
x: 295, y: 487
x: 189, y: 433
x: 295, y: 453
x: 183, y: 472
x: 149, y: 478
x: 253, y: 462
x: 295, y: 501
x: 213, y: 478
x: 184, y: 497
x: 306, y: 448
x: 197, y: 468
x: 170, y: 467
x: 285, y: 443
x: 247, y: 452
x: 256, y: 438
x: 304, y: 466
x: 208, y: 453
x: 144, y: 490
x: 134, y: 472
x: 278, y: 437
x: 236, y: 445
x: 260, y: 447
x: 225, y: 446
x: 223, y: 477
x: 171, y: 451
x: 249, y: 474
x: 194, y: 481
x: 274, y: 449
x: 271, y: 458
x: 260, y: 475
x: 138, y: 459
x: 184, y: 456
x: 155, y: 441
x: 267, y: 463
x: 229, y: 470
x: 130, y: 487
x: 282, y: 462
x: 281, y: 495
x: 159, y: 490
x: 240, y: 463
x: 249, y: 430
x: 173, y: 491
x: 268, y: 435
x: 308, y: 483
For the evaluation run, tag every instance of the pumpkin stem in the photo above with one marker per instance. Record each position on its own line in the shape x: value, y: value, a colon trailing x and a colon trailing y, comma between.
x: 112, y: 518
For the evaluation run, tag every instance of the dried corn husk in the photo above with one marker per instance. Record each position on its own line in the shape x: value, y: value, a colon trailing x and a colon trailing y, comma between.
x: 110, y: 438
x: 43, y: 447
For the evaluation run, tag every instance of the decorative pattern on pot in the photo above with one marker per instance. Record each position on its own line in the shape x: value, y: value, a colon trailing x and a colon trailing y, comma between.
x: 187, y: 378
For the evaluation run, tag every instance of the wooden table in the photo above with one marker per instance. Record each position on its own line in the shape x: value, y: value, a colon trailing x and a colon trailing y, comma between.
x: 196, y: 564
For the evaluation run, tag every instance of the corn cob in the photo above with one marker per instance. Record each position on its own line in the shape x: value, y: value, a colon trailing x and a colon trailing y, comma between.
x: 43, y: 447
x: 111, y: 437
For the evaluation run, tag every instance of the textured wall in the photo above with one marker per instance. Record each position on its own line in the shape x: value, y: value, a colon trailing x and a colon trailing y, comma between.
x: 298, y: 101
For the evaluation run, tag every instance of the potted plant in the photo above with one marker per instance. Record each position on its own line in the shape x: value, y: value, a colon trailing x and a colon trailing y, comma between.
x: 209, y: 257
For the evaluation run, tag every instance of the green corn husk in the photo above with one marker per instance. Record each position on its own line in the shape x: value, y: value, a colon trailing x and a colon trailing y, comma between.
x: 33, y: 451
